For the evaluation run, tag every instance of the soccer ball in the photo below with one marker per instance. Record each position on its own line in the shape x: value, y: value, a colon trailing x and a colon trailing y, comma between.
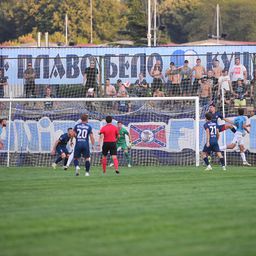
x: 147, y: 136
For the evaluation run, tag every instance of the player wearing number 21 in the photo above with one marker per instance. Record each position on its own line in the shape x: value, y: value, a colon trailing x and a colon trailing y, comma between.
x: 212, y: 136
x: 83, y: 131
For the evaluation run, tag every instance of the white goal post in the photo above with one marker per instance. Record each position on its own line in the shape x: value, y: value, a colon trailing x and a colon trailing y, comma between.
x: 166, y: 113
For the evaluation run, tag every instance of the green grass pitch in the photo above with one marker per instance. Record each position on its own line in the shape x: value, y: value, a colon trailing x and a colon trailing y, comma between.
x: 146, y: 211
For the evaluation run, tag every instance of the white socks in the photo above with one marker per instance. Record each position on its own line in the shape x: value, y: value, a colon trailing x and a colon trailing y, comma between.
x: 242, y: 154
x: 70, y: 158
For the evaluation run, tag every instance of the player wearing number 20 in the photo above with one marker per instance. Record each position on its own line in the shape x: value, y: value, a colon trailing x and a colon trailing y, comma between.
x: 212, y: 136
x: 83, y: 132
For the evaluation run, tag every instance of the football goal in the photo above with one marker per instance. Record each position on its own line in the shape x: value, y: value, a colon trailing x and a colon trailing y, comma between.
x: 163, y: 131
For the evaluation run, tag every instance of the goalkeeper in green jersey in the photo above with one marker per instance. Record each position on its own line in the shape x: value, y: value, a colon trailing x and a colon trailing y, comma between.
x: 121, y: 143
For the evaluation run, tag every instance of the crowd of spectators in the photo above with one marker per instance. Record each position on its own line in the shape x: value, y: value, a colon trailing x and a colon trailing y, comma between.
x: 197, y: 81
x: 209, y: 85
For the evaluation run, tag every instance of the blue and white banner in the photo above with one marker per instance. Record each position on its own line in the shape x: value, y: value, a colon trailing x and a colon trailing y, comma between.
x: 66, y: 65
x: 38, y: 136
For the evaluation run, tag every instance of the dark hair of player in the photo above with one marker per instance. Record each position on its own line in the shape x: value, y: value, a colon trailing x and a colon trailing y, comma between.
x: 69, y: 129
x: 119, y: 122
x: 208, y: 116
x: 109, y: 119
x: 84, y: 117
x: 240, y: 111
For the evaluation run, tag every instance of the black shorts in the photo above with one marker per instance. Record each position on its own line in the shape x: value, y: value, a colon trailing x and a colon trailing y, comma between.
x: 195, y: 86
x: 109, y: 147
x: 185, y: 85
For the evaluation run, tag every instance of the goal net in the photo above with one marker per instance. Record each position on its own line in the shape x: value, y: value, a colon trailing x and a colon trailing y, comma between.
x: 164, y: 131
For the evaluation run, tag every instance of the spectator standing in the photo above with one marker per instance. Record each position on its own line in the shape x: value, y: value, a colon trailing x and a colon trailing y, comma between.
x: 214, y: 83
x: 205, y: 91
x: 48, y: 105
x: 186, y: 74
x: 253, y: 90
x: 29, y: 77
x: 156, y: 73
x: 91, y: 78
x: 199, y: 71
x: 238, y: 71
x: 217, y: 70
x: 3, y: 83
x: 240, y: 92
x: 225, y: 86
x: 173, y: 82
x: 119, y: 84
x: 141, y: 86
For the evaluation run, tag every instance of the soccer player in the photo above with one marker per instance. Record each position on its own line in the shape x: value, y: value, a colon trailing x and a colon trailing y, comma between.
x: 2, y: 126
x: 216, y: 116
x: 71, y: 151
x: 241, y: 127
x: 121, y: 143
x: 83, y: 131
x: 60, y: 146
x: 212, y: 136
x: 109, y: 135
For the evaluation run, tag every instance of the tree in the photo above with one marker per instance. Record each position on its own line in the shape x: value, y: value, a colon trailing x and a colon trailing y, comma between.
x: 7, y: 26
x: 136, y: 15
x: 239, y: 19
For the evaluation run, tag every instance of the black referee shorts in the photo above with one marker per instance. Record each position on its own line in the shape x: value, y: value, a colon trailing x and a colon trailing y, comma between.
x: 109, y: 147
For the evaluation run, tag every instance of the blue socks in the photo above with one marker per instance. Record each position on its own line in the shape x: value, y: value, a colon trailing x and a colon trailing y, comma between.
x: 206, y: 160
x: 87, y: 166
x: 76, y: 163
x: 58, y: 159
x: 222, y: 161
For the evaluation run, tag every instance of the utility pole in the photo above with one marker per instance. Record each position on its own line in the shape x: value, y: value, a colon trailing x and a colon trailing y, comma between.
x: 149, y: 23
x: 155, y: 4
x: 218, y: 23
x: 66, y: 28
x: 91, y: 20
x: 39, y: 39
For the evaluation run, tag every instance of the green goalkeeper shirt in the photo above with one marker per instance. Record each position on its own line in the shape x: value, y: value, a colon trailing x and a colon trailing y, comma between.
x: 122, y: 133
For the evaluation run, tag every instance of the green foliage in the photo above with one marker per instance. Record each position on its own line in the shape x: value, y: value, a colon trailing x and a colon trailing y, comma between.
x: 137, y: 19
x: 184, y: 20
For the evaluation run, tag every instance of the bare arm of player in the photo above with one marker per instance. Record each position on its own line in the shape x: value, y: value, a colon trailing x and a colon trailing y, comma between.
x: 218, y: 134
x: 101, y: 138
x: 54, y: 147
x: 207, y: 138
x: 92, y: 139
x: 228, y: 121
x: 245, y: 127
